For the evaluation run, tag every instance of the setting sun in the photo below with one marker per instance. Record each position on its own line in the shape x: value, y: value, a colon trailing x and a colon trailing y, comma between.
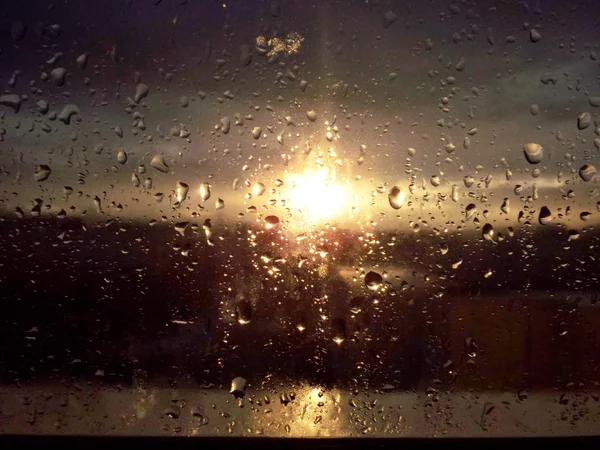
x: 317, y: 195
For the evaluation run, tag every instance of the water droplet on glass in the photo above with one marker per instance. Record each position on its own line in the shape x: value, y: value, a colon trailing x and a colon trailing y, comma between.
x: 244, y: 312
x: 534, y: 153
x: 204, y: 191
x: 373, y: 281
x: 396, y: 197
x: 68, y: 111
x: 311, y: 115
x: 122, y: 156
x: 219, y: 204
x: 98, y: 204
x: 225, y: 124
x: 42, y: 172
x: 141, y: 91
x: 135, y: 180
x: 545, y: 216
x: 238, y: 386
x: 338, y: 330
x: 470, y: 211
x: 587, y: 172
x: 58, y: 75
x: 488, y: 232
x: 468, y: 180
x: 435, y: 180
x: 584, y: 120
x: 535, y: 36
x: 256, y: 132
x: 454, y: 194
x: 158, y: 162
x: 585, y: 216
x: 258, y: 189
x: 181, y: 191
x: 534, y: 109
x: 271, y: 222
x: 11, y: 100
x: 505, y: 207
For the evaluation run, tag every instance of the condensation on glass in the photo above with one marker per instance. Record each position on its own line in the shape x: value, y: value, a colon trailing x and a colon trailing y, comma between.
x: 285, y: 218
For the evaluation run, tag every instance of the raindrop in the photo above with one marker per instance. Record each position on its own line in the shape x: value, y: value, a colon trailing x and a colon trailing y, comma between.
x: 12, y: 100
x: 158, y: 162
x: 454, y: 194
x: 584, y: 120
x: 587, y: 172
x: 238, y: 386
x: 225, y: 124
x: 122, y: 156
x: 58, y: 75
x: 258, y: 189
x: 396, y: 197
x: 470, y: 211
x: 338, y: 330
x: 545, y: 215
x: 468, y: 180
x: 98, y: 204
x: 534, y: 109
x: 244, y: 312
x: 67, y: 112
x: 219, y: 204
x: 585, y: 216
x: 135, y: 180
x: 535, y: 36
x: 534, y: 153
x: 435, y: 180
x: 204, y: 191
x: 488, y: 232
x: 505, y: 208
x: 181, y: 191
x: 82, y: 60
x: 311, y: 115
x: 141, y: 91
x: 271, y: 222
x: 373, y: 281
x: 42, y: 172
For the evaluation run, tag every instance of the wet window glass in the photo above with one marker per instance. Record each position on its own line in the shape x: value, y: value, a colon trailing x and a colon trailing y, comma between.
x: 299, y: 218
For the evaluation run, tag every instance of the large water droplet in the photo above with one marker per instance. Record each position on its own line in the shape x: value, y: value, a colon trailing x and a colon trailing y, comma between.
x: 238, y: 386
x: 271, y: 222
x: 204, y: 191
x: 122, y: 156
x: 141, y: 91
x: 311, y: 115
x: 584, y: 120
x: 545, y: 215
x: 181, y: 191
x: 435, y: 180
x: 373, y: 281
x: 488, y: 232
x: 258, y: 189
x: 42, y: 172
x: 244, y: 312
x: 338, y: 330
x: 396, y: 197
x: 534, y: 153
x: 219, y: 204
x: 505, y: 207
x: 587, y: 172
x: 470, y: 211
x: 158, y: 162
x: 468, y: 180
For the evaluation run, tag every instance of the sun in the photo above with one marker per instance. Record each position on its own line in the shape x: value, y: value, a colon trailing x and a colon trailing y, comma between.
x: 316, y: 195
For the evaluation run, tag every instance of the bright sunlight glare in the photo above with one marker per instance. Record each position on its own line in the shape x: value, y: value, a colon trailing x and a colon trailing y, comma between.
x: 317, y: 195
